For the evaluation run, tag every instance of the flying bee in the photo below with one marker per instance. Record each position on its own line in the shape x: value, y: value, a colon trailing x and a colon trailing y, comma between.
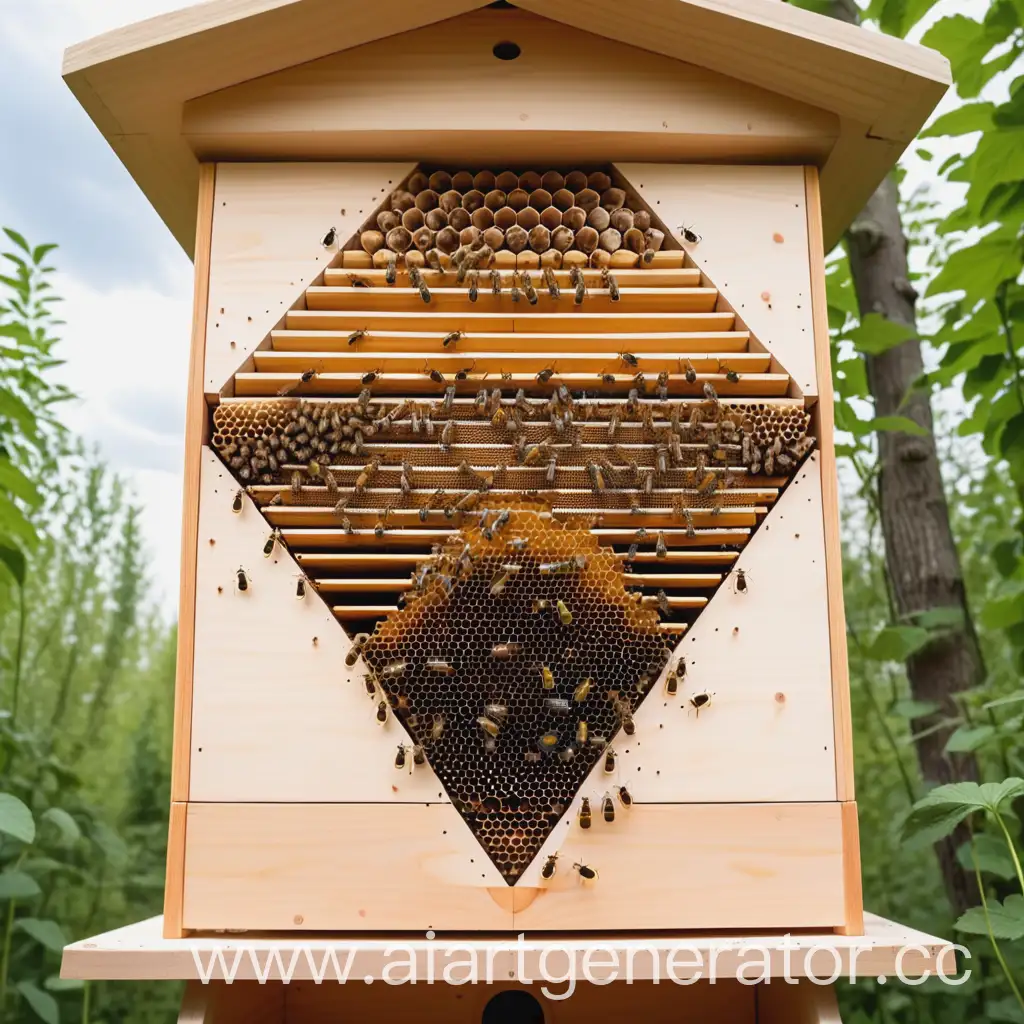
x: 548, y: 871
x: 700, y: 700
x: 545, y: 375
x: 400, y: 757
x: 272, y: 540
x: 451, y: 339
x: 625, y: 797
x: 547, y: 678
x: 608, y: 808
x: 383, y: 712
x: 529, y: 289
x: 564, y: 615
x: 609, y: 761
x: 552, y: 282
x: 740, y: 581
x: 241, y: 580
x: 547, y: 741
x: 416, y: 280
x: 582, y: 691
x: 581, y: 732
x: 587, y: 874
x: 391, y: 271
x: 609, y: 281
x: 356, y: 336
x: 584, y: 814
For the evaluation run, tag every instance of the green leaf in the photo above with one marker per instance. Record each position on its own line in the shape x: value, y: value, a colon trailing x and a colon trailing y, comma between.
x: 897, y: 643
x: 16, y: 885
x: 46, y: 933
x: 42, y: 1003
x: 55, y: 983
x: 18, y: 240
x: 876, y: 334
x: 977, y: 269
x: 1001, y: 612
x: 967, y: 739
x: 898, y: 17
x: 991, y: 853
x: 938, y: 813
x: 40, y: 252
x: 941, y: 618
x: 65, y: 824
x: 912, y: 709
x: 971, y: 117
x: 16, y: 819
x: 928, y: 823
x: 12, y: 479
x: 14, y: 560
x: 1006, y: 919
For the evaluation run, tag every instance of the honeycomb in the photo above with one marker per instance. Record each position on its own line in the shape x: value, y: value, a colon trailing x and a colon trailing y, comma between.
x: 469, y: 656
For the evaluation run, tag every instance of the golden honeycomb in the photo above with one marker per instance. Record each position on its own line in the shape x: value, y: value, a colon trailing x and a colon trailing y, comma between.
x: 441, y: 663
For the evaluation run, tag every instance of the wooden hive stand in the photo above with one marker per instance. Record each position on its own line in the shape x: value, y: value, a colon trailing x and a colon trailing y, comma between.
x: 511, y: 585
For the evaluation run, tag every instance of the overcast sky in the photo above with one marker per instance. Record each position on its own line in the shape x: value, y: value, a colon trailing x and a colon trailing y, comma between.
x: 126, y: 283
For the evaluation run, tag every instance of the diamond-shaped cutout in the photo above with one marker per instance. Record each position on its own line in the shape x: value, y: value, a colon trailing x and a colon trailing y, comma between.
x: 384, y: 418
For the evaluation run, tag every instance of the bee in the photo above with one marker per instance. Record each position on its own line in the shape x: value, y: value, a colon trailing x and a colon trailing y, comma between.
x: 609, y: 761
x: 437, y: 728
x: 567, y: 755
x: 547, y: 741
x: 701, y: 700
x: 672, y: 679
x: 625, y: 797
x: 356, y: 336
x: 648, y: 257
x: 416, y: 280
x: 528, y: 288
x: 710, y: 393
x: 584, y: 814
x: 518, y: 544
x: 495, y: 282
x: 358, y: 643
x: 586, y: 873
x: 690, y: 372
x: 688, y: 516
x: 395, y: 669
x: 629, y: 359
x: 400, y: 757
x: 515, y: 286
x: 575, y: 564
x: 632, y: 552
x: 596, y: 476
x: 474, y: 285
x: 367, y: 378
x: 496, y: 712
x: 501, y: 522
x: 579, y: 281
x: 354, y: 281
x: 330, y: 238
x: 545, y: 375
x: 540, y: 604
x: 272, y: 540
x: 419, y: 755
x: 236, y: 501
x: 551, y: 471
x: 440, y: 666
x: 660, y: 550
x: 614, y: 419
x: 582, y: 691
x: 548, y: 871
x: 300, y: 586
x: 391, y: 271
x: 557, y: 705
x: 304, y: 378
x: 661, y: 599
x: 547, y: 678
x: 690, y: 235
x: 499, y: 581
x: 241, y: 580
x: 608, y: 808
x: 370, y: 682
x: 490, y: 727
x: 581, y: 732
x: 730, y: 375
x: 609, y: 281
x: 564, y: 615
x: 383, y: 712
x: 552, y: 282
x: 451, y: 339
x: 740, y: 580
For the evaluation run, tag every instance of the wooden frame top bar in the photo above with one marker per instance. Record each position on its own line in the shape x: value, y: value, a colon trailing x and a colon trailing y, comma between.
x: 138, y: 952
x: 135, y: 82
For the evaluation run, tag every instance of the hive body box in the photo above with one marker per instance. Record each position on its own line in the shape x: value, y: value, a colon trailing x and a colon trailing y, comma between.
x: 287, y: 810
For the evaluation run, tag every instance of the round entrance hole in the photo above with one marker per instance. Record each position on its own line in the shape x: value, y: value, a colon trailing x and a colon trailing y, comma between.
x: 506, y: 51
x: 513, y: 1007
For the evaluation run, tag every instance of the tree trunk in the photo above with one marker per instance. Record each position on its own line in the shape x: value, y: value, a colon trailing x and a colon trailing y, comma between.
x: 922, y: 563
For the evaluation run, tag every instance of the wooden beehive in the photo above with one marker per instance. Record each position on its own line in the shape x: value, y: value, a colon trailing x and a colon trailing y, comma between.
x: 540, y: 484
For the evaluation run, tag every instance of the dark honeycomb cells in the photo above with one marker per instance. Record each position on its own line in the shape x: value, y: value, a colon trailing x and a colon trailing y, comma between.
x: 513, y: 796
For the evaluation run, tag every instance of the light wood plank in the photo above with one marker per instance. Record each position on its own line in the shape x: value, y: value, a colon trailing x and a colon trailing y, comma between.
x: 174, y: 881
x: 672, y: 580
x: 853, y: 924
x: 423, y: 341
x: 843, y: 733
x: 653, y: 277
x: 357, y: 586
x: 445, y: 300
x: 276, y: 867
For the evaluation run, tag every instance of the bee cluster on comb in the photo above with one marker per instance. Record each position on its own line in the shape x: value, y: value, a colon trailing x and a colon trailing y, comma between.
x: 515, y: 661
x: 510, y: 220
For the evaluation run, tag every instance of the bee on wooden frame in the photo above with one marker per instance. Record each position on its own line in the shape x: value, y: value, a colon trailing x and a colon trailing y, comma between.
x: 701, y: 701
x: 242, y: 580
x: 739, y: 580
x: 550, y: 866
